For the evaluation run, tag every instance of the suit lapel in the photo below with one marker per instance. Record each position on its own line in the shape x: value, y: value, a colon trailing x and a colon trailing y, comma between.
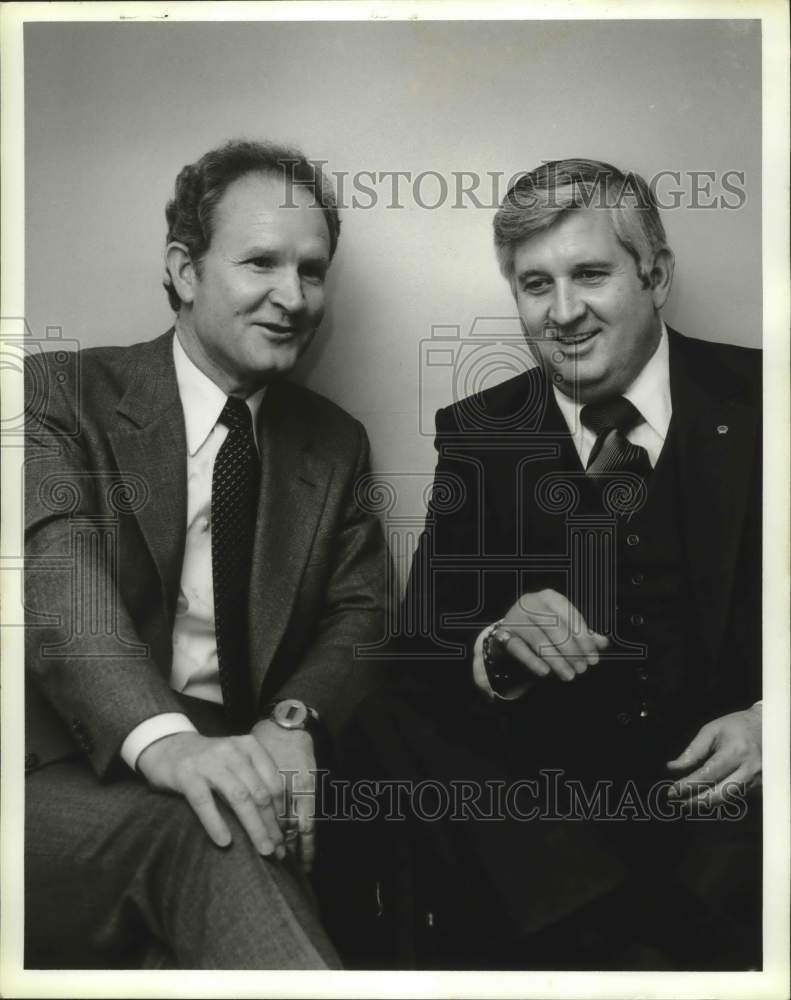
x: 559, y: 464
x: 716, y: 435
x: 294, y: 483
x: 149, y: 440
x: 540, y: 446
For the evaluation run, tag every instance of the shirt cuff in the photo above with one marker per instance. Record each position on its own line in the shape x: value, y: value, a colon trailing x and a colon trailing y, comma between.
x: 153, y: 729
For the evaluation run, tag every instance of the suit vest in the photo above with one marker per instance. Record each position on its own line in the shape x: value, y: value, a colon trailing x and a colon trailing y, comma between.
x: 639, y: 699
x: 650, y: 630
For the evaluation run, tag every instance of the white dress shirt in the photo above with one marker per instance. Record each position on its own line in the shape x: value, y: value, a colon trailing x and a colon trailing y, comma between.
x: 650, y: 393
x: 194, y: 670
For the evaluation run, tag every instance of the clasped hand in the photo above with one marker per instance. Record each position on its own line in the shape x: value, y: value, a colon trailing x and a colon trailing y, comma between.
x: 266, y: 777
x: 548, y: 636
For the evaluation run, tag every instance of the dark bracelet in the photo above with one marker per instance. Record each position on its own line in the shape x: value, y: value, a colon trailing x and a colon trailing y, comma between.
x: 503, y: 672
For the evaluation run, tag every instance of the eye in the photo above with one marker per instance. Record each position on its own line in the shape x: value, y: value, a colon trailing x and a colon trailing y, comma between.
x: 263, y: 262
x: 535, y: 286
x: 591, y: 276
x: 314, y: 272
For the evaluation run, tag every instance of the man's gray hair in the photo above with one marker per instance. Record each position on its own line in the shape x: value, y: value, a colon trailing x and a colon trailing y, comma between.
x: 539, y: 199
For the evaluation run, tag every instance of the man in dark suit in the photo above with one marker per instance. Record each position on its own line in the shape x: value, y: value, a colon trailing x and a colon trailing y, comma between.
x: 590, y: 580
x: 198, y: 577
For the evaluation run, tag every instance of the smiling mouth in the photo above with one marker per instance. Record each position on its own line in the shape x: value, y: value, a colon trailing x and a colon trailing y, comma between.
x: 572, y: 340
x: 278, y: 330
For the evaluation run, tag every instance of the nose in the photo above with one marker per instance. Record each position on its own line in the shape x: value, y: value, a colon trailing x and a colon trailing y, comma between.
x: 566, y: 306
x: 287, y: 291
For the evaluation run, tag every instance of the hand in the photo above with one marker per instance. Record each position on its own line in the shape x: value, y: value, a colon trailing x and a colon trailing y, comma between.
x: 728, y: 751
x: 548, y: 635
x: 235, y: 767
x: 292, y: 753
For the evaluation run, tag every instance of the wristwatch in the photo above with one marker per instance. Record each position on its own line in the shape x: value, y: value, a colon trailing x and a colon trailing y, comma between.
x: 504, y: 673
x: 291, y: 713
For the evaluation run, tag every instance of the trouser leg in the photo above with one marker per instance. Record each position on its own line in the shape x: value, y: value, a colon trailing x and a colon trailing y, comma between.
x: 119, y: 875
x: 522, y: 872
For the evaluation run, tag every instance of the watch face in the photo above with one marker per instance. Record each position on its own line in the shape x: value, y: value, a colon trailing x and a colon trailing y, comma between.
x: 291, y: 714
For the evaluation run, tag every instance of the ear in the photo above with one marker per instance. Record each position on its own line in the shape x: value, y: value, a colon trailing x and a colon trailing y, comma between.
x: 661, y: 276
x: 179, y: 265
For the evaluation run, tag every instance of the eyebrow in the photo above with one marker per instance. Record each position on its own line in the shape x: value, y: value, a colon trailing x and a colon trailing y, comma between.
x: 602, y: 264
x: 258, y: 251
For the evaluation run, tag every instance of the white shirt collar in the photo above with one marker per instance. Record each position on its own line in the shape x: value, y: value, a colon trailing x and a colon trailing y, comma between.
x: 203, y: 400
x: 650, y: 392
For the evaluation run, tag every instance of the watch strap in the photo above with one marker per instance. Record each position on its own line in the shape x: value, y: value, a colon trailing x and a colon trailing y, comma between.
x: 504, y: 673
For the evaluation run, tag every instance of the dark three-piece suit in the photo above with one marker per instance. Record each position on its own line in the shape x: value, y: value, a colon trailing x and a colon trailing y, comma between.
x: 109, y: 860
x: 671, y: 573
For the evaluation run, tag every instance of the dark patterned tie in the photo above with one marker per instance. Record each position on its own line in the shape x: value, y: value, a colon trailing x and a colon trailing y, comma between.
x: 611, y: 420
x: 234, y: 496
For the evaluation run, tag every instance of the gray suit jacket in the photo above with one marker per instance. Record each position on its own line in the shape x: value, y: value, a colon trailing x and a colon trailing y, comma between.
x: 106, y: 500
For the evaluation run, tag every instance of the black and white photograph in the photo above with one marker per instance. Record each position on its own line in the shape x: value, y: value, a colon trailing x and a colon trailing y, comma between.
x: 395, y: 500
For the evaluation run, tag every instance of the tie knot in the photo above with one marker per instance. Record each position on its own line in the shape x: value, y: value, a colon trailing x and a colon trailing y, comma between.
x: 236, y: 415
x: 616, y: 412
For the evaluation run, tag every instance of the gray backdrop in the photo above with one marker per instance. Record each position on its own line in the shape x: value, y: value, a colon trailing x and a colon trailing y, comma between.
x: 114, y: 110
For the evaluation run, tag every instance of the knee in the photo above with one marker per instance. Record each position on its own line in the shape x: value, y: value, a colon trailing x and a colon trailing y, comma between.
x: 189, y: 848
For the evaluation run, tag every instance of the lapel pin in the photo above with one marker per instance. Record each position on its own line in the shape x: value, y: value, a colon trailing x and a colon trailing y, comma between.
x: 722, y: 428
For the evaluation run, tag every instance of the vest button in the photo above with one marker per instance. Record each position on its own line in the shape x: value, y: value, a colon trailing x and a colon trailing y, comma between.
x: 632, y: 539
x: 638, y: 579
x: 624, y: 718
x: 637, y: 619
x: 642, y: 675
x: 31, y: 761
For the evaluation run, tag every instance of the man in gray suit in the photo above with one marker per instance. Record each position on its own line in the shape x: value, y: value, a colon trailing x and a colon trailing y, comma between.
x: 199, y: 575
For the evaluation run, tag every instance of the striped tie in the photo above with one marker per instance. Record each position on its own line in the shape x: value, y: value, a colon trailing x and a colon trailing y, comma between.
x: 611, y: 420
